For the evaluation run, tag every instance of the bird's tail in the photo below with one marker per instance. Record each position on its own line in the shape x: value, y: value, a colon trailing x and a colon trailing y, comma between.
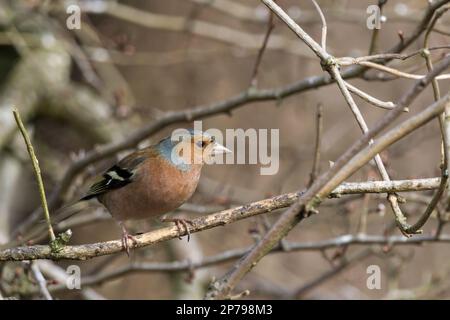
x: 66, y: 211
x: 38, y: 232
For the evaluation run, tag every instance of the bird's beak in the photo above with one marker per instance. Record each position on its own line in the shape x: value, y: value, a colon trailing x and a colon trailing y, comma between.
x: 219, y: 149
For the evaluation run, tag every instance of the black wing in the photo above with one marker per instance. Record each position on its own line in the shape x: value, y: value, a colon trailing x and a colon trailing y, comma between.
x: 114, y: 178
x: 117, y: 176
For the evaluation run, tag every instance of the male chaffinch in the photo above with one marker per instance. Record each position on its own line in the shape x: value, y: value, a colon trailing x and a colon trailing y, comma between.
x: 156, y: 180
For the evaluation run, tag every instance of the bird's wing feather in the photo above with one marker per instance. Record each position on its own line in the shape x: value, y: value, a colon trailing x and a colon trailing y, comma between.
x: 118, y: 175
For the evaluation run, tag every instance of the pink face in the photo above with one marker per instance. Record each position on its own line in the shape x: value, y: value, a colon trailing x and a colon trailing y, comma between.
x: 199, y: 149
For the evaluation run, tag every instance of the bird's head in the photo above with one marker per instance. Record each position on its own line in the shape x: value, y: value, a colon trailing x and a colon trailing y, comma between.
x: 192, y: 147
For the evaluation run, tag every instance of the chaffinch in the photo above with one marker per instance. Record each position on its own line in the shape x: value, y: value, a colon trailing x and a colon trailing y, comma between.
x: 156, y: 180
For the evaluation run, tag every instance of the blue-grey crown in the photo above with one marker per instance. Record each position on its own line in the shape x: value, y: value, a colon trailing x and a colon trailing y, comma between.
x: 166, y: 145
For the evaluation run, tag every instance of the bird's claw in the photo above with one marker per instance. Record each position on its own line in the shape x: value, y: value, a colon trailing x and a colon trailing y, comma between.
x: 179, y: 223
x: 125, y: 245
x: 125, y: 237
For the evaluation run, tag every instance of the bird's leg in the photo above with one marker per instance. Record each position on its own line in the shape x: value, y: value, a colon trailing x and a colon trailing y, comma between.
x: 178, y: 223
x: 125, y: 237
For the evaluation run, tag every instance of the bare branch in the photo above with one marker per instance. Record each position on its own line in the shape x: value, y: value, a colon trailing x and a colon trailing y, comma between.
x: 87, y: 251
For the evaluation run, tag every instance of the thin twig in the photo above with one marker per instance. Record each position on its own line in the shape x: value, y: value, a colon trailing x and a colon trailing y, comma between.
x: 37, y: 172
x: 347, y: 61
x: 319, y: 128
x: 399, y: 73
x: 324, y: 25
x: 372, y: 100
x: 392, y: 198
x: 437, y: 15
x: 376, y: 31
x: 270, y: 27
x: 42, y: 283
x: 440, y: 31
x: 343, y: 265
x: 362, y: 223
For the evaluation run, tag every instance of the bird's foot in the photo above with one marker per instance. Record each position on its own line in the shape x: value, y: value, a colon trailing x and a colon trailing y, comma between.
x: 179, y: 223
x: 125, y: 245
x: 125, y: 237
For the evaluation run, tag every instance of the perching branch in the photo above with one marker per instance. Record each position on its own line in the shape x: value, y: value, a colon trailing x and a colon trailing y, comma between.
x: 87, y: 251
